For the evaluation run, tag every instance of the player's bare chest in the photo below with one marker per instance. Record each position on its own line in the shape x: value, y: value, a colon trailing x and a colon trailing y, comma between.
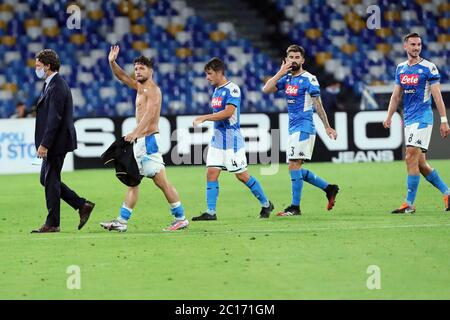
x: 141, y: 100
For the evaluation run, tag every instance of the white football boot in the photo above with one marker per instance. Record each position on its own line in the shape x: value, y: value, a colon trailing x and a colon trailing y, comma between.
x: 119, y: 225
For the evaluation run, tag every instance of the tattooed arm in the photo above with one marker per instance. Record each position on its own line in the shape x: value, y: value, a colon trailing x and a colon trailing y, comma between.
x: 323, y: 116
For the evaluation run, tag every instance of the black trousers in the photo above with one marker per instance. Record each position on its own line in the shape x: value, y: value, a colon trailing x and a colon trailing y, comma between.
x: 55, y: 189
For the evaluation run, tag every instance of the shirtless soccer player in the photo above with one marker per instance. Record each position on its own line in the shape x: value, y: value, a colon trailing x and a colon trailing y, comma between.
x: 146, y: 143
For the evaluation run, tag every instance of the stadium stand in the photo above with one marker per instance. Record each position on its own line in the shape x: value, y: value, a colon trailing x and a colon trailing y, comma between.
x: 170, y: 31
x: 333, y: 32
x: 336, y: 34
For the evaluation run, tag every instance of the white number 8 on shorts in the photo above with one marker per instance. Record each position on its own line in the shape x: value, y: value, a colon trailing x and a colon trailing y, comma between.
x: 418, y: 135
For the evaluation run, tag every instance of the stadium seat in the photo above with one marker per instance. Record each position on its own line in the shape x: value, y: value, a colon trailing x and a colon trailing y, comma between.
x: 334, y: 33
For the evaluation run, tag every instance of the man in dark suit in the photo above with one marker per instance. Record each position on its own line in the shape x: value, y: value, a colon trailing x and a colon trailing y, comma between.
x: 55, y: 136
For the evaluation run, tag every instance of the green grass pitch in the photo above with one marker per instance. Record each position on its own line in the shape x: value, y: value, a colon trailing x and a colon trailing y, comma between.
x: 319, y: 255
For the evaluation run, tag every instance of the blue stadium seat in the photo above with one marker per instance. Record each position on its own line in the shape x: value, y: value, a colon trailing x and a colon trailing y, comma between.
x: 179, y: 93
x: 320, y: 13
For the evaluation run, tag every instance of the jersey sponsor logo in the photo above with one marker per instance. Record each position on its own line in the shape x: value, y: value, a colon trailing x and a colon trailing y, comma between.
x: 409, y: 79
x: 291, y: 90
x: 409, y: 91
x: 290, y: 100
x: 216, y: 102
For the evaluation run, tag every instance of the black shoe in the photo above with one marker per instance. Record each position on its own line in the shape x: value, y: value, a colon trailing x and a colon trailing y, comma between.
x: 205, y: 216
x: 85, y: 213
x: 290, y: 211
x: 45, y: 229
x: 331, y: 190
x: 265, y: 212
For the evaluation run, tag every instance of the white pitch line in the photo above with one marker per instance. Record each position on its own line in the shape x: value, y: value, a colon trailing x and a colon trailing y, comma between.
x: 235, y: 231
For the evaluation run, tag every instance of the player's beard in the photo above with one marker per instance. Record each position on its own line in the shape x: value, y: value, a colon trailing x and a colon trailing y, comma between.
x: 414, y: 54
x: 295, y: 66
x: 142, y: 80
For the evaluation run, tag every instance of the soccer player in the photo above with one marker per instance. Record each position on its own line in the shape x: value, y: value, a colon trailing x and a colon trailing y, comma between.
x: 146, y: 142
x: 226, y: 149
x: 302, y: 92
x: 416, y: 79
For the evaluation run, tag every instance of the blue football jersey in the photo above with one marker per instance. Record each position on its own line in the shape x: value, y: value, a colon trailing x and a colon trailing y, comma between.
x: 227, y: 133
x: 415, y: 81
x: 298, y: 91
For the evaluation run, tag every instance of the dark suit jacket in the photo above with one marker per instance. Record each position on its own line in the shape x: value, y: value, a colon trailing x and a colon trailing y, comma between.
x: 54, y: 119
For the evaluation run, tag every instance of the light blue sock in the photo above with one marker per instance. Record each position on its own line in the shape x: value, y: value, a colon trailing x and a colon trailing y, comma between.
x: 297, y: 186
x: 212, y: 192
x: 257, y: 191
x: 125, y: 212
x: 311, y: 178
x: 413, y: 185
x: 436, y: 181
x: 177, y: 210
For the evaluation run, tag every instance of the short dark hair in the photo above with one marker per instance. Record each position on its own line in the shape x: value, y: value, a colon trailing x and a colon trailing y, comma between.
x: 49, y: 57
x: 20, y: 103
x: 411, y: 35
x: 144, y: 61
x: 296, y: 48
x: 215, y: 64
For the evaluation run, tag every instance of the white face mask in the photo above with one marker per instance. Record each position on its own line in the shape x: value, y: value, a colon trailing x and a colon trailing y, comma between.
x: 40, y: 73
x: 334, y: 90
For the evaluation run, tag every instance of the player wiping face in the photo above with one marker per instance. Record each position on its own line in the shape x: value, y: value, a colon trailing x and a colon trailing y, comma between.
x: 294, y: 62
x: 302, y: 93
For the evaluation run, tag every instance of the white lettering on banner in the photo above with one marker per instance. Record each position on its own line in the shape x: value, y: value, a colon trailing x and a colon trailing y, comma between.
x: 98, y: 131
x: 364, y: 156
x: 164, y: 132
x: 96, y: 135
x: 17, y: 148
x: 360, y: 138
x: 360, y: 133
x: 341, y: 127
x: 259, y: 135
x: 186, y: 139
x: 283, y: 120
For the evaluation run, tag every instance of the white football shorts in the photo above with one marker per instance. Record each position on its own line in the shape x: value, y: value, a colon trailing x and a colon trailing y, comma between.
x: 300, y: 146
x: 148, y: 156
x: 418, y: 135
x: 227, y: 159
